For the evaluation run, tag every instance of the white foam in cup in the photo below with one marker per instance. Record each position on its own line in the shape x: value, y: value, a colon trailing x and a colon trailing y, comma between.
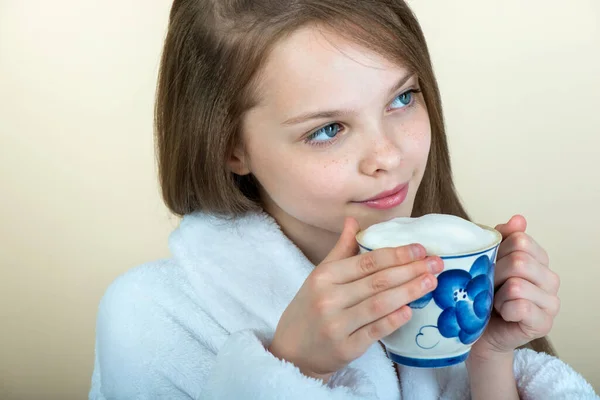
x: 440, y: 234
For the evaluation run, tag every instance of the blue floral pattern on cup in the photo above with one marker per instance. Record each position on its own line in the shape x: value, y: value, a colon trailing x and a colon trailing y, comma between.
x: 465, y: 298
x: 421, y: 302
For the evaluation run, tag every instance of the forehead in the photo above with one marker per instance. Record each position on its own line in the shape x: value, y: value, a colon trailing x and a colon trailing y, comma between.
x: 318, y: 66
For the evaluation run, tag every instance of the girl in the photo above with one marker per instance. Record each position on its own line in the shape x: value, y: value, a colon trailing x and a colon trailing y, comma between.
x: 284, y: 127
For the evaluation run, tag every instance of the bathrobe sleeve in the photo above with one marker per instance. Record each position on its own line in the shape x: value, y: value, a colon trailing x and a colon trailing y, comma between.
x: 146, y: 348
x: 538, y: 377
x: 243, y: 368
x: 541, y: 376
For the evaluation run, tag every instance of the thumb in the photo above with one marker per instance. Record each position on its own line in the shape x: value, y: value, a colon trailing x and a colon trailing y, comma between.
x: 517, y: 223
x: 346, y: 245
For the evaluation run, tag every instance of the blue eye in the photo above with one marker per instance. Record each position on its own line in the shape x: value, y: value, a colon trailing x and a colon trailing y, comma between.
x: 403, y: 100
x: 325, y: 133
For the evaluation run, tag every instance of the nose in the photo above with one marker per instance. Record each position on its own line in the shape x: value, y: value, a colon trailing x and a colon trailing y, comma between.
x: 382, y: 154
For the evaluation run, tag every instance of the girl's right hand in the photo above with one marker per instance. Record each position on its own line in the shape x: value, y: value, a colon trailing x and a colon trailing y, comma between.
x: 351, y: 301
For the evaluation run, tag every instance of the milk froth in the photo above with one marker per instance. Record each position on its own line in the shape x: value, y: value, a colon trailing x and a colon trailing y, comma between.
x: 440, y: 234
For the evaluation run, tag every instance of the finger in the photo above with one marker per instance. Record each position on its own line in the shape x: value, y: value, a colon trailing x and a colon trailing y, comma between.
x: 520, y: 241
x: 517, y: 288
x: 532, y: 320
x: 346, y: 245
x: 363, y: 338
x: 371, y: 262
x: 382, y: 304
x: 519, y: 264
x: 517, y: 223
x: 359, y: 290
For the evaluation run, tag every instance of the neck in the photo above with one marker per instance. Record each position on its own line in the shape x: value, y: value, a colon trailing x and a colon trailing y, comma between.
x: 315, y: 243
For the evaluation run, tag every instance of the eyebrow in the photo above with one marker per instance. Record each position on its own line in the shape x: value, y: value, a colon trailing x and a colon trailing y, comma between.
x: 335, y: 114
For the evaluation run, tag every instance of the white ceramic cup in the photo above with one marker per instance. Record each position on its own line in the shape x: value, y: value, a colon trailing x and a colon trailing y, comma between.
x: 446, y: 322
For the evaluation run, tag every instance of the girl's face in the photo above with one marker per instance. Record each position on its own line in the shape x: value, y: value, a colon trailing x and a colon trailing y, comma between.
x: 336, y: 125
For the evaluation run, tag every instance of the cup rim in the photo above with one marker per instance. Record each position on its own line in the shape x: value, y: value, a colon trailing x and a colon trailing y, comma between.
x: 479, y: 250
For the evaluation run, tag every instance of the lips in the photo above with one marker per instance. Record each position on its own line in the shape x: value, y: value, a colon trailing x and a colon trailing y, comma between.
x: 387, y: 193
x: 388, y: 199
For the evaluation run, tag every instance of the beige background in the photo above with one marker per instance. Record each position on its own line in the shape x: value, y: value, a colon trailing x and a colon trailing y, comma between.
x: 521, y: 86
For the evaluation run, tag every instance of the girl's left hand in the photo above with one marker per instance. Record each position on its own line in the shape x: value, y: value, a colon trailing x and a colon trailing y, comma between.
x: 526, y: 300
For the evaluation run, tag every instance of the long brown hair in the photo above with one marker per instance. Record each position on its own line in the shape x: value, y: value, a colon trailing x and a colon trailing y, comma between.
x: 212, y: 54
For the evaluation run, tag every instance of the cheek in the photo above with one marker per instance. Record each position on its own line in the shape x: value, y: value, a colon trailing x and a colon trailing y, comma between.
x: 287, y: 173
x: 318, y: 179
x: 330, y: 178
x: 417, y: 138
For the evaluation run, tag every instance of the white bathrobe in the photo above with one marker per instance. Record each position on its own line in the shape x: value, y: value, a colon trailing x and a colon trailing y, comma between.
x: 195, y: 326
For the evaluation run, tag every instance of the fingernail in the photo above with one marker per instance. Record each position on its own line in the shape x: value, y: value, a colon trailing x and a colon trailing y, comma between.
x: 417, y: 251
x: 427, y: 283
x: 435, y: 265
x: 406, y: 312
